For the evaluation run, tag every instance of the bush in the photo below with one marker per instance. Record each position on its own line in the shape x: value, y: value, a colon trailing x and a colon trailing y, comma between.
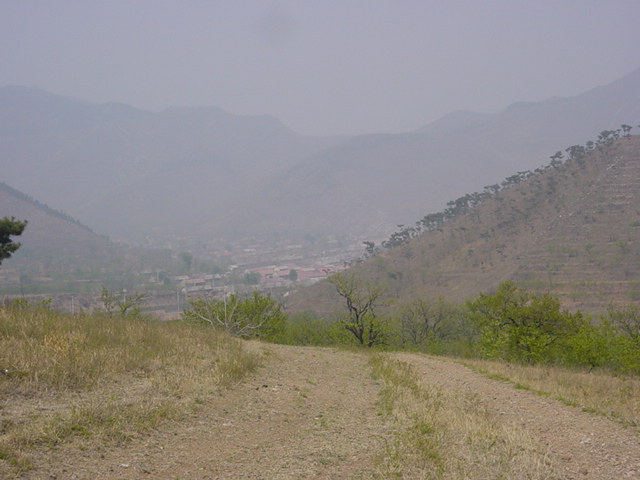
x: 591, y: 346
x: 308, y: 329
x: 256, y: 316
x: 517, y: 325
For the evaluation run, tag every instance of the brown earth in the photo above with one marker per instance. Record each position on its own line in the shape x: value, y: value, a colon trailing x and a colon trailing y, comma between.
x: 312, y: 413
x: 585, y: 445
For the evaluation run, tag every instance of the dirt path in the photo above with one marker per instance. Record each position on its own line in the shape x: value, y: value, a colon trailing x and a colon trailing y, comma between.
x: 585, y: 445
x: 311, y: 413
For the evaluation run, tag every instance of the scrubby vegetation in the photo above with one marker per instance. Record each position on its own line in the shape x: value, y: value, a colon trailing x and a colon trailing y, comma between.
x: 520, y: 326
x: 512, y: 324
x: 255, y: 316
x: 106, y: 377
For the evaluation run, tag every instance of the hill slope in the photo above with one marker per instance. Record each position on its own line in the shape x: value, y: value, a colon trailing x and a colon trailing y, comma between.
x: 54, y: 244
x: 573, y: 230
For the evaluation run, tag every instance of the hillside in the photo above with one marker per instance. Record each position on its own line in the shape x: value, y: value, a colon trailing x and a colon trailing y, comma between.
x: 56, y: 247
x: 188, y: 175
x: 572, y: 229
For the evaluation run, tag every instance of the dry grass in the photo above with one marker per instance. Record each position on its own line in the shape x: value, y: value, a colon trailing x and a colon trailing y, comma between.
x: 447, y: 436
x: 102, y: 378
x: 614, y: 396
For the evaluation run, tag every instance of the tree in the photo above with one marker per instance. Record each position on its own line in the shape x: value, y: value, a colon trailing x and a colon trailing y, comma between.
x: 362, y: 300
x: 424, y: 320
x: 122, y: 303
x: 293, y: 275
x: 577, y: 153
x: 522, y: 326
x: 627, y: 321
x: 369, y: 249
x: 556, y: 159
x: 255, y: 316
x: 187, y: 258
x: 607, y: 137
x: 251, y: 278
x: 9, y: 227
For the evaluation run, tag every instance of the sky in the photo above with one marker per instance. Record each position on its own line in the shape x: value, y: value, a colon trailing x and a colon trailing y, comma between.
x: 322, y: 67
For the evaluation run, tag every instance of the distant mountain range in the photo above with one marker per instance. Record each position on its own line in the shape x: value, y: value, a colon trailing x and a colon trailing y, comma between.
x: 377, y: 181
x: 189, y: 174
x: 572, y: 230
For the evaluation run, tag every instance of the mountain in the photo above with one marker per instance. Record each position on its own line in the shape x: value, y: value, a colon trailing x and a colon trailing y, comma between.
x: 190, y: 175
x: 135, y: 174
x: 572, y: 230
x: 372, y: 182
x: 59, y: 247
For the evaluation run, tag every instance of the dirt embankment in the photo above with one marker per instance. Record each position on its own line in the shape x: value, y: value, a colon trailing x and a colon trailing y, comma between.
x: 312, y: 413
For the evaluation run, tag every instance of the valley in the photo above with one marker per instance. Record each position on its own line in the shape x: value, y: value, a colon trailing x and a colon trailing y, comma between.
x: 310, y: 240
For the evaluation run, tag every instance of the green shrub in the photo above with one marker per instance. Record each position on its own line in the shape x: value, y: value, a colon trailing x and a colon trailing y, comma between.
x: 308, y: 329
x: 521, y: 326
x: 255, y: 316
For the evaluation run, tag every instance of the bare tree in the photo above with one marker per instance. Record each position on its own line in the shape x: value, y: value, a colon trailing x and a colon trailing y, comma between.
x: 627, y: 321
x: 423, y: 320
x: 362, y: 300
x: 122, y: 303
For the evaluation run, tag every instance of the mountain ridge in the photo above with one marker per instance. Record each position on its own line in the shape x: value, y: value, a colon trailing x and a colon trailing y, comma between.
x: 458, y: 153
x: 201, y: 173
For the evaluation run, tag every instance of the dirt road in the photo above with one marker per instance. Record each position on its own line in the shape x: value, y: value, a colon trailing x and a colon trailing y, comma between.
x: 312, y: 413
x: 585, y: 445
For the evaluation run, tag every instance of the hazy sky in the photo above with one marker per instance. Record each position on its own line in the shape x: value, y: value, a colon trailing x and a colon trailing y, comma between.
x: 320, y: 66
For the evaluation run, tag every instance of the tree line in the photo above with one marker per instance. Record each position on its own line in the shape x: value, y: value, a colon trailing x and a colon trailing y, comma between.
x: 511, y: 324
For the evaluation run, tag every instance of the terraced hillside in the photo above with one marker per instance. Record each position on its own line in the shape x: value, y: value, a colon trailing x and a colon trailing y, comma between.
x: 572, y: 229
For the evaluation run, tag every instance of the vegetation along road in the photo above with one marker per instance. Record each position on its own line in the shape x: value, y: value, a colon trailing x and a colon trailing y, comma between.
x: 311, y: 412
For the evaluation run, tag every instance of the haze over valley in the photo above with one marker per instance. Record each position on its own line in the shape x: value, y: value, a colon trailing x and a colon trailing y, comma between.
x: 337, y: 239
x: 196, y: 175
x: 230, y: 185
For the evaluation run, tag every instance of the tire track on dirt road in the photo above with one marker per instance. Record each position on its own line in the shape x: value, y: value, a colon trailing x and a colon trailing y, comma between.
x: 313, y: 413
x: 307, y: 413
x: 585, y: 445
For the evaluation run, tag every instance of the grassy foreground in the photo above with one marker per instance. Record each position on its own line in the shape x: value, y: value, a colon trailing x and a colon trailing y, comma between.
x: 102, y: 378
